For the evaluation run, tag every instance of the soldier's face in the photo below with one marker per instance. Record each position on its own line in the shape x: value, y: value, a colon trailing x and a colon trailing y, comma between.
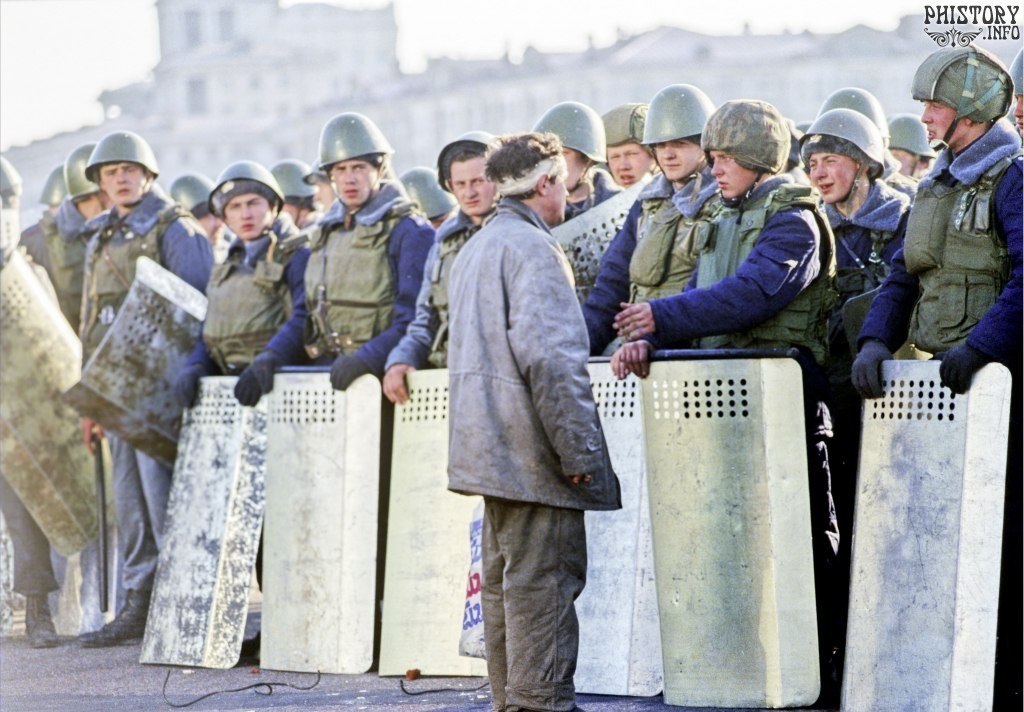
x: 908, y: 161
x: 124, y: 183
x: 354, y: 182
x: 471, y: 188
x: 577, y: 163
x: 833, y: 175
x: 629, y: 162
x: 937, y: 118
x: 248, y: 215
x: 679, y: 160
x: 733, y: 179
x: 1018, y: 113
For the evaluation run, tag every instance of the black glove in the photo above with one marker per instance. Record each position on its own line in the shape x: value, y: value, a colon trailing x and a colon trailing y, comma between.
x: 186, y: 385
x: 866, y: 372
x: 346, y: 369
x: 959, y: 365
x: 257, y: 379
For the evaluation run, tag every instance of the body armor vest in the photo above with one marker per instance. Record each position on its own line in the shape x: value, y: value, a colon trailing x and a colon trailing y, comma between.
x: 440, y: 277
x: 666, y: 249
x: 247, y: 305
x: 67, y: 270
x: 804, y: 321
x: 953, y: 248
x: 349, y: 285
x: 110, y: 271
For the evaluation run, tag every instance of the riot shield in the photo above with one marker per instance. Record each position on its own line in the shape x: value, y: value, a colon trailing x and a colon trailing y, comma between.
x: 585, y: 238
x: 427, y: 545
x: 727, y: 471
x: 924, y: 587
x: 620, y: 642
x: 127, y: 383
x: 320, y: 526
x: 41, y: 450
x: 214, y: 513
x: 855, y: 311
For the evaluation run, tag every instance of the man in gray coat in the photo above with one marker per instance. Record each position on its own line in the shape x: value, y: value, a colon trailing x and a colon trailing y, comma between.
x: 524, y: 428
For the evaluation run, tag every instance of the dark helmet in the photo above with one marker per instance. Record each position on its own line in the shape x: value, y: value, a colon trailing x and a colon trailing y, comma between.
x: 473, y: 140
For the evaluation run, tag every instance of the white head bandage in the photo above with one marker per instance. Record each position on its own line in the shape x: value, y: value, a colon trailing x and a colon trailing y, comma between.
x: 554, y: 167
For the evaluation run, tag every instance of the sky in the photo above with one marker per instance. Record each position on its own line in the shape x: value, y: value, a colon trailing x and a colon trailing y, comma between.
x: 56, y: 56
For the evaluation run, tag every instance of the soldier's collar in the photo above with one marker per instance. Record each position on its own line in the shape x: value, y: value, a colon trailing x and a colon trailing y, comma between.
x: 968, y: 166
x: 145, y: 215
x: 69, y: 221
x: 882, y: 209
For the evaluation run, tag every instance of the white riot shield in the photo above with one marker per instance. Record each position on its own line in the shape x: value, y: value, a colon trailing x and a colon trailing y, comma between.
x: 425, y: 571
x: 214, y: 513
x: 727, y: 471
x: 620, y: 642
x: 127, y: 385
x: 42, y: 455
x: 585, y: 238
x: 924, y: 584
x: 320, y: 525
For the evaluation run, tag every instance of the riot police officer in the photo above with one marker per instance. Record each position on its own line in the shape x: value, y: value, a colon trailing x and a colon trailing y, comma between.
x: 257, y: 296
x: 655, y: 252
x: 433, y: 200
x: 301, y: 202
x: 461, y: 169
x: 863, y: 101
x: 192, y: 192
x: 583, y: 142
x: 764, y: 281
x: 955, y: 287
x: 629, y: 160
x: 34, y: 238
x: 366, y: 266
x: 142, y: 222
x: 908, y: 143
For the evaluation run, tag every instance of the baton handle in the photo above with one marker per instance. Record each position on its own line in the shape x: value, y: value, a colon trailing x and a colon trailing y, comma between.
x: 101, y: 511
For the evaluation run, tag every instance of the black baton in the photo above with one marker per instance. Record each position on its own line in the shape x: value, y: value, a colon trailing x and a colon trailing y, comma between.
x: 101, y: 511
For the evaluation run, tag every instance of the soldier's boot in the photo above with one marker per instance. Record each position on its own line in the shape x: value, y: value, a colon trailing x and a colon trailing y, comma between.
x: 39, y: 623
x: 127, y: 627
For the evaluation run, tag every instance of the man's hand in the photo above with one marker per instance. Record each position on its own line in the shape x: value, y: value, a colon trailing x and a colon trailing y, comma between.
x: 958, y: 367
x: 394, y: 383
x: 577, y: 479
x: 91, y: 428
x: 866, y: 372
x: 633, y: 357
x: 346, y: 369
x: 634, y: 321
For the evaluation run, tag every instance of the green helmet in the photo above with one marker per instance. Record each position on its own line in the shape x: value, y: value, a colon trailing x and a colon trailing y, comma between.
x: 54, y: 190
x: 677, y: 111
x: 79, y: 186
x: 473, y: 140
x: 578, y: 126
x: 625, y: 123
x: 969, y: 79
x: 316, y: 174
x: 422, y: 185
x: 751, y: 131
x: 349, y: 136
x: 909, y: 134
x: 291, y: 176
x: 192, y: 191
x: 853, y: 129
x: 121, y: 147
x: 1017, y: 72
x: 860, y: 100
x: 10, y: 179
x: 244, y: 177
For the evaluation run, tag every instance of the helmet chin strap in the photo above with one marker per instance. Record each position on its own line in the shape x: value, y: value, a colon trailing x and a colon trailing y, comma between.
x: 844, y: 201
x: 950, y: 131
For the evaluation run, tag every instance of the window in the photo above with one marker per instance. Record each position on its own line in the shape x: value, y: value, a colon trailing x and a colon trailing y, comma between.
x: 226, y: 19
x: 195, y: 99
x: 193, y: 28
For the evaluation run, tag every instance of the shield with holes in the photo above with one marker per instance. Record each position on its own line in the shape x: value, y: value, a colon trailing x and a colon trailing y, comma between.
x: 620, y: 643
x: 127, y: 383
x: 585, y: 238
x: 42, y: 455
x: 428, y: 547
x: 214, y: 514
x: 320, y: 525
x: 924, y: 587
x: 730, y: 514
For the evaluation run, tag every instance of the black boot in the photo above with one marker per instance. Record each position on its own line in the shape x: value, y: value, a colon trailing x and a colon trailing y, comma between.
x: 127, y: 627
x: 39, y: 623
